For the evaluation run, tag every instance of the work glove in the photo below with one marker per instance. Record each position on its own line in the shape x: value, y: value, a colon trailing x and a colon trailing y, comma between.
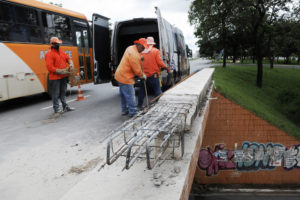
x: 63, y: 71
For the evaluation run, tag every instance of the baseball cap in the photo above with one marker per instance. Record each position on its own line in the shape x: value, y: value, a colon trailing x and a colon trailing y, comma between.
x: 141, y: 41
x: 55, y: 40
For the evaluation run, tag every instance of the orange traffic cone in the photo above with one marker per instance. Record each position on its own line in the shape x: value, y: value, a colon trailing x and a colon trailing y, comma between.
x: 80, y: 97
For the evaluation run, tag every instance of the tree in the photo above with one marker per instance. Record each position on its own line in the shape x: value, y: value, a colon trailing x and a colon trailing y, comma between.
x: 259, y: 10
x: 212, y: 20
x: 242, y: 28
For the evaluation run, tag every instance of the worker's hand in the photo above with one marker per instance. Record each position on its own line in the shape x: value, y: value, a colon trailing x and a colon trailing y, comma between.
x: 71, y: 66
x: 168, y: 69
x: 68, y: 68
x: 63, y: 71
x: 144, y: 77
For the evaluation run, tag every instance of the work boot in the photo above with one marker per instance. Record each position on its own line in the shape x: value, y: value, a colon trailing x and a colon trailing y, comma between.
x: 132, y: 115
x: 58, y: 110
x: 140, y: 108
x: 68, y: 108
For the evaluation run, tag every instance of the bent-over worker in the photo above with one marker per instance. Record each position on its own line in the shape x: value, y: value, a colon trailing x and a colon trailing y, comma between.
x: 129, y: 67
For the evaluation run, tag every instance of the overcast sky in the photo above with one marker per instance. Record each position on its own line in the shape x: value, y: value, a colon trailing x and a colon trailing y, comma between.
x: 174, y: 11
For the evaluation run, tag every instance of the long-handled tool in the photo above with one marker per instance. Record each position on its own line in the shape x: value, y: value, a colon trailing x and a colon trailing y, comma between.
x: 145, y: 85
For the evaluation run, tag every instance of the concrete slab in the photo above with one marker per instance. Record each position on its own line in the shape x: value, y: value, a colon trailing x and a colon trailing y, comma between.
x: 168, y: 180
x: 191, y: 91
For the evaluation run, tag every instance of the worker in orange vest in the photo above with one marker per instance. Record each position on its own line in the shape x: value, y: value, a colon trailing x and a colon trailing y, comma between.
x: 59, y: 66
x: 152, y: 65
x: 129, y: 67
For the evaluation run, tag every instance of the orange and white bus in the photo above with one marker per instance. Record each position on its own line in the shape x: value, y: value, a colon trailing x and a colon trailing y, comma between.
x: 26, y: 27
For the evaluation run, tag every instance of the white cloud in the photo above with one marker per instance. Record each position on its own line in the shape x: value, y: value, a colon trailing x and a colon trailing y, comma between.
x: 174, y: 11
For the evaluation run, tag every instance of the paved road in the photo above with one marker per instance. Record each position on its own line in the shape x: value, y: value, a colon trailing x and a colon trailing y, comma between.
x: 199, y: 64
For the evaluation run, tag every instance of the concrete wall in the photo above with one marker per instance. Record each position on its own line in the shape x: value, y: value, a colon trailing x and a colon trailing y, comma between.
x: 264, y: 154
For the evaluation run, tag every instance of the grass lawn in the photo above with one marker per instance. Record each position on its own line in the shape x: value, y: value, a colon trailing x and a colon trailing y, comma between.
x: 278, y: 101
x: 265, y: 61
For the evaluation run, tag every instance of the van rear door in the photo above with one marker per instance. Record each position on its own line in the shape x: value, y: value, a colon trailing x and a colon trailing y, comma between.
x: 101, y: 49
x: 163, y: 39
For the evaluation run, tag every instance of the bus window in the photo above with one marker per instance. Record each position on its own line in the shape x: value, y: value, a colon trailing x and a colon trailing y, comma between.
x: 80, y: 54
x: 6, y: 17
x: 87, y: 52
x: 58, y: 26
x: 86, y: 40
x: 26, y: 27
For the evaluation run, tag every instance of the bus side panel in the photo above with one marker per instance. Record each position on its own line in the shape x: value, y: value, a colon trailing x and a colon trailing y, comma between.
x: 21, y: 79
x: 3, y: 89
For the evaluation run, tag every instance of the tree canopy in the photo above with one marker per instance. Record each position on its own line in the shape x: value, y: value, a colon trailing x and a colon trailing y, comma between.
x: 247, y: 28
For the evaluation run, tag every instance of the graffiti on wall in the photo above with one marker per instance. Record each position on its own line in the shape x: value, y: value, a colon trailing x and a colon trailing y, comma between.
x: 251, y: 157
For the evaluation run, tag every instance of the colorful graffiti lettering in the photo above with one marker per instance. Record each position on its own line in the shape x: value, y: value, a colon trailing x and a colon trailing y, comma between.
x: 251, y: 157
x: 213, y: 161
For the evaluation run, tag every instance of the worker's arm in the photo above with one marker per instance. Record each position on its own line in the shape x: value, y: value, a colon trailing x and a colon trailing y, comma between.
x: 49, y: 63
x: 159, y: 61
x: 71, y: 64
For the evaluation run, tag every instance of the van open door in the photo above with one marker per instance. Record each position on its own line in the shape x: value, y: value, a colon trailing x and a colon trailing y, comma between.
x: 163, y: 39
x: 101, y: 49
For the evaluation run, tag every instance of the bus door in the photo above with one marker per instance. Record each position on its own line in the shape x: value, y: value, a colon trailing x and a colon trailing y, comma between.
x: 101, y: 49
x: 82, y: 42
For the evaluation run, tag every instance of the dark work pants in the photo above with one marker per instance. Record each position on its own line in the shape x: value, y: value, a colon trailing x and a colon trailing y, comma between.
x: 59, y: 90
x: 152, y: 83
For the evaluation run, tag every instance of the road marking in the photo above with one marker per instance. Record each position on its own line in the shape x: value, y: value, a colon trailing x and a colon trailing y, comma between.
x: 60, y: 103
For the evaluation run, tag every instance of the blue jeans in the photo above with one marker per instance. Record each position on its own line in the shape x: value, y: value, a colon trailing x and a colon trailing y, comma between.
x: 151, y: 83
x: 59, y: 90
x: 128, y: 103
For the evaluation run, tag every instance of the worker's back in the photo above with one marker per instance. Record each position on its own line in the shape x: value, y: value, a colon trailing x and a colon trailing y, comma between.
x: 129, y: 66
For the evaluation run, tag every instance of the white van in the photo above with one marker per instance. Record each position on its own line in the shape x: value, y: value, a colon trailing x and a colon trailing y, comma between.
x: 169, y: 40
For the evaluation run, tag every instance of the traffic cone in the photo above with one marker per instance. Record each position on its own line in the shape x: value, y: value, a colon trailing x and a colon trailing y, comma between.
x: 80, y: 97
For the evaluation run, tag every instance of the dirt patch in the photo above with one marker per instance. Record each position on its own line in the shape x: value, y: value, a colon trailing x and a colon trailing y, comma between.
x: 86, y: 166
